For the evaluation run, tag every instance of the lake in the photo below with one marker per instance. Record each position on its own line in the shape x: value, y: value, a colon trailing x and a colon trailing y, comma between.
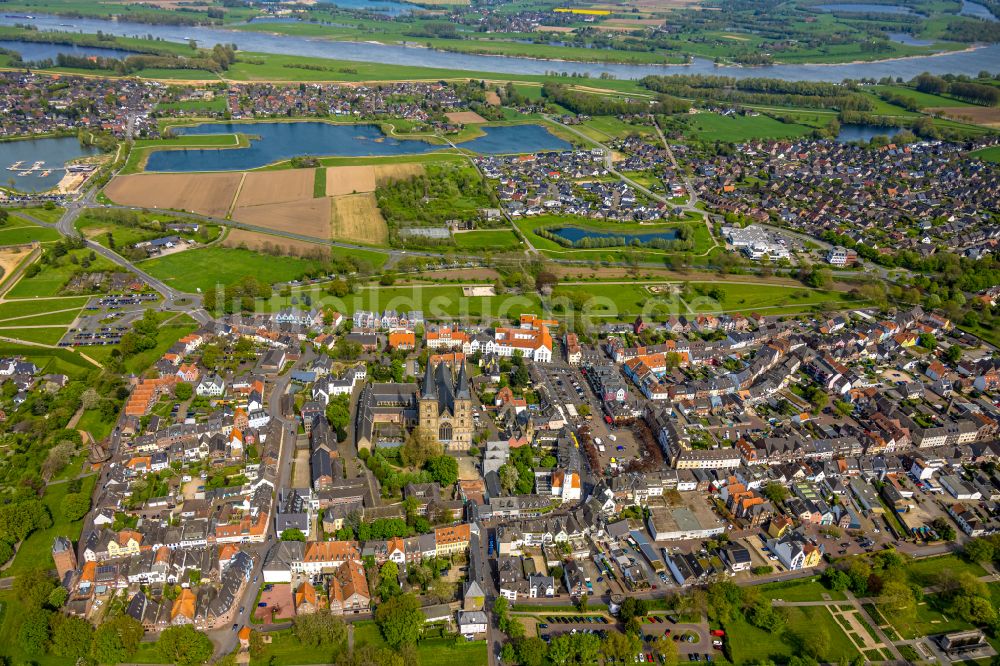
x: 908, y: 39
x: 515, y: 139
x: 277, y: 141
x: 35, y: 51
x: 977, y: 10
x: 576, y: 234
x: 461, y: 64
x: 851, y: 132
x: 862, y: 8
x: 55, y: 152
x: 280, y: 141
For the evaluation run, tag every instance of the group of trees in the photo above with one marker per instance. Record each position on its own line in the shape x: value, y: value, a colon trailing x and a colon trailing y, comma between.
x: 443, y: 194
x: 582, y: 648
x: 423, y: 454
x: 761, y: 91
x: 321, y: 630
x: 517, y: 475
x: 969, y: 91
x: 400, y: 620
x: 218, y: 60
x: 240, y: 296
x: 43, y: 629
x: 142, y: 337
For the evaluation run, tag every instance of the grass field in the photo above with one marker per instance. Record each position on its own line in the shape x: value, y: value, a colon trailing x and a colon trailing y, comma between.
x: 50, y: 215
x: 286, y: 650
x: 95, y: 424
x: 22, y: 308
x: 215, y: 105
x: 923, y: 100
x: 18, y: 232
x: 930, y: 619
x: 923, y: 571
x: 747, y: 643
x: 742, y: 297
x: 799, y: 590
x: 991, y: 154
x: 204, y: 268
x: 48, y: 335
x: 487, y: 239
x: 603, y: 128
x: 715, y: 127
x: 441, y: 302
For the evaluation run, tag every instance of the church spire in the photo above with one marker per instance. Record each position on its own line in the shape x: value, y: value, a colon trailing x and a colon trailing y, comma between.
x: 462, y: 391
x: 430, y: 384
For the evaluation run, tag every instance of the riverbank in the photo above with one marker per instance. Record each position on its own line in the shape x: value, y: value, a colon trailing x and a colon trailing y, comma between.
x: 434, y: 63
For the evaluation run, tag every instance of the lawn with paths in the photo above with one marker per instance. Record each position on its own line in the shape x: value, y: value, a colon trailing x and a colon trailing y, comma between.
x: 748, y: 643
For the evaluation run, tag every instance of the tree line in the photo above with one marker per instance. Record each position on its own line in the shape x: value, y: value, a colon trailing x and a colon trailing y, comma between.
x: 804, y: 94
x: 968, y: 91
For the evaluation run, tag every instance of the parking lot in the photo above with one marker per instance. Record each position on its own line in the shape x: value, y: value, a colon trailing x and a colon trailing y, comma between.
x: 105, y: 320
x: 693, y: 641
x: 567, y: 387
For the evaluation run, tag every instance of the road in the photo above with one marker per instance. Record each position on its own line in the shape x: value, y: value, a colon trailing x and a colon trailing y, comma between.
x: 692, y: 194
x: 607, y: 161
x: 225, y: 639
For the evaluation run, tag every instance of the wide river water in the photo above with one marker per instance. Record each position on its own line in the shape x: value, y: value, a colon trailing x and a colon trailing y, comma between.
x: 964, y: 62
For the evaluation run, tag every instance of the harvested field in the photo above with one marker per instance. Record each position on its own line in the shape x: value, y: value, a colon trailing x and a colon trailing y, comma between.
x: 492, y: 98
x: 270, y: 187
x: 308, y: 217
x: 554, y: 28
x: 465, y: 117
x: 360, y: 179
x: 977, y: 115
x: 356, y: 217
x: 259, y: 242
x: 206, y: 193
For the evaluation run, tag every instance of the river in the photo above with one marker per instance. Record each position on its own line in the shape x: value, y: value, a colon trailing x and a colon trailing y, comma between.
x: 963, y: 62
x: 977, y: 10
x: 35, y: 51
